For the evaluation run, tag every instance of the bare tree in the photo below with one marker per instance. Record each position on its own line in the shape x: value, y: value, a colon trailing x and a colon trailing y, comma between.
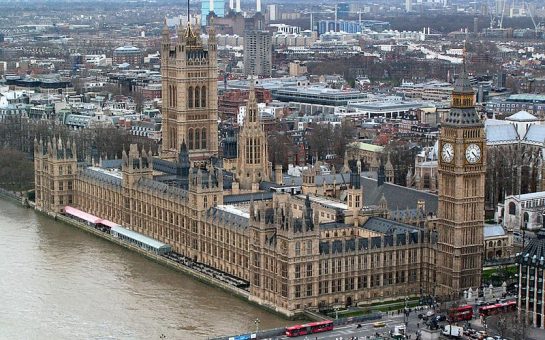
x: 16, y: 170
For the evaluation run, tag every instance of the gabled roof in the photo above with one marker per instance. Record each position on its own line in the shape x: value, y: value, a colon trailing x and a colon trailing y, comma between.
x: 535, y: 134
x: 501, y: 133
x: 493, y: 230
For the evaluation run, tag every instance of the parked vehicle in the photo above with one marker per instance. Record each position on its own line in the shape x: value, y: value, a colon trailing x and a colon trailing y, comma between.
x: 453, y: 331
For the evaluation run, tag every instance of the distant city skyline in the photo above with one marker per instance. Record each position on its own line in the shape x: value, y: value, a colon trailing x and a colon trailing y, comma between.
x: 218, y: 7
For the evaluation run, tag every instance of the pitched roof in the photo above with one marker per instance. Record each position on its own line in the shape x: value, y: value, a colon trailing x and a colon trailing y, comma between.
x: 397, y: 197
x: 247, y: 197
x: 493, y: 230
x: 384, y: 226
x: 228, y: 216
x: 501, y: 133
x: 535, y: 134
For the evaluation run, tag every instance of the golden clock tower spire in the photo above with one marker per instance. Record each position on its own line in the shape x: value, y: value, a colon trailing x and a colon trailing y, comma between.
x: 462, y: 168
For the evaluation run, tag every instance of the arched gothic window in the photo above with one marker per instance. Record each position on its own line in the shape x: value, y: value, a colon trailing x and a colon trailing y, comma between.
x: 512, y: 208
x: 203, y: 138
x: 190, y: 139
x: 197, y: 96
x: 190, y: 97
x: 197, y: 138
x: 203, y: 96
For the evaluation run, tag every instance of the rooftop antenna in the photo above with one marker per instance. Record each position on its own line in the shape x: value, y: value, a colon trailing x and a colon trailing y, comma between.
x: 188, y: 22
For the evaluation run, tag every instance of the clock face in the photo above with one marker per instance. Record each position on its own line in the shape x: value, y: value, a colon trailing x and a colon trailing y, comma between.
x: 447, y: 153
x: 473, y: 153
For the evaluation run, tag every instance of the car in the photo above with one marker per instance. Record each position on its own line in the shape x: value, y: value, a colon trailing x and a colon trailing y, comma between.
x: 481, y: 303
x: 379, y: 324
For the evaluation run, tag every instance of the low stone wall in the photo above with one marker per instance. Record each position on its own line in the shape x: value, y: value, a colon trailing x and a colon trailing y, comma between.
x: 157, y: 258
x: 240, y: 293
x: 9, y: 195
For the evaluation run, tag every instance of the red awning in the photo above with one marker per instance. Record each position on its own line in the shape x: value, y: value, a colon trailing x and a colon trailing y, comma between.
x: 109, y: 223
x: 82, y: 214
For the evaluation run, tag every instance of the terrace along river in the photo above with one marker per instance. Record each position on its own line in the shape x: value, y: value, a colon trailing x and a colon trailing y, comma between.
x: 57, y: 282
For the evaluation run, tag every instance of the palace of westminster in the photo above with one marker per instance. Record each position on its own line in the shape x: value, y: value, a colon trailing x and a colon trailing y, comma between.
x: 312, y: 242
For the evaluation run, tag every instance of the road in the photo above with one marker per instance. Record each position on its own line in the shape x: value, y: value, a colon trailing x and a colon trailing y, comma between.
x: 367, y: 331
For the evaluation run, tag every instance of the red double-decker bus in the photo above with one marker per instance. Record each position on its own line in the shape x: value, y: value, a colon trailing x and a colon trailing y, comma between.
x: 461, y: 313
x: 309, y: 328
x: 498, y: 308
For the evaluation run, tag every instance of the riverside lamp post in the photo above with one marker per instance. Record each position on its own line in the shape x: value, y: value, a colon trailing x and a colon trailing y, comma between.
x: 256, y: 325
x: 406, y: 312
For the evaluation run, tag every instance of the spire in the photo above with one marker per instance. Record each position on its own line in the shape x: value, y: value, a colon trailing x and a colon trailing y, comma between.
x: 211, y: 31
x: 380, y: 176
x: 462, y: 112
x: 252, y: 111
x: 188, y: 17
x: 183, y: 160
x: 462, y: 84
x: 251, y: 94
x: 389, y: 165
x: 166, y: 32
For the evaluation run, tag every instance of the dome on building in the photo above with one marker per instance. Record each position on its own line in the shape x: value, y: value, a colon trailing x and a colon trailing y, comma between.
x: 522, y: 116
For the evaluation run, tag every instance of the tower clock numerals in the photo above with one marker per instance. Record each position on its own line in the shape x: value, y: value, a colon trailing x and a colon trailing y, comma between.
x: 473, y: 153
x: 447, y: 153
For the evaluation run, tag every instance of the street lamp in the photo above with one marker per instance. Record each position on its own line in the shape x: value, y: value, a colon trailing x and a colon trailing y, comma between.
x: 406, y: 312
x: 256, y: 325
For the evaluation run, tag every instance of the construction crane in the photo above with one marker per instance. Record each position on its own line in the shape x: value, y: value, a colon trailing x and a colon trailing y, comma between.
x: 539, y: 26
x: 497, y: 17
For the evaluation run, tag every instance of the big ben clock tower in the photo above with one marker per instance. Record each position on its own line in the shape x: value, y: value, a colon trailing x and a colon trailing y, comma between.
x: 462, y: 168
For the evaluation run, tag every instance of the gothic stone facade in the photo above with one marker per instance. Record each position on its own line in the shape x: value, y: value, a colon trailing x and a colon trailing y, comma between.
x: 296, y: 252
x: 190, y: 93
x: 460, y: 216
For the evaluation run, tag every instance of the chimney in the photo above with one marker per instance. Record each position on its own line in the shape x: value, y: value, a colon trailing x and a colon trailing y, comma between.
x: 258, y: 6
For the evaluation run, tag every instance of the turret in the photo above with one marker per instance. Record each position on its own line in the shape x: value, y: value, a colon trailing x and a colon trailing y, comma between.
x: 135, y: 165
x: 278, y: 176
x: 380, y: 175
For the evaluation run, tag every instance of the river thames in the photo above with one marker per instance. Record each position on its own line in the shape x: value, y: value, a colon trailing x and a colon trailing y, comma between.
x: 57, y: 282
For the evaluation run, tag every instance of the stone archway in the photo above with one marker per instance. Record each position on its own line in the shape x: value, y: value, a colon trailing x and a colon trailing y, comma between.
x: 349, y: 301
